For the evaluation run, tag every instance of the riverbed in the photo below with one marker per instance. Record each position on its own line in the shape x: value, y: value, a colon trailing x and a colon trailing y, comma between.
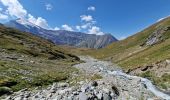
x: 114, y: 85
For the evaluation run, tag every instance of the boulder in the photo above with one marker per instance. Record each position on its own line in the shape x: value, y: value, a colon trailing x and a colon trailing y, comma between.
x: 83, y: 96
x: 115, y: 89
x: 63, y: 84
x: 106, y: 97
x: 94, y: 83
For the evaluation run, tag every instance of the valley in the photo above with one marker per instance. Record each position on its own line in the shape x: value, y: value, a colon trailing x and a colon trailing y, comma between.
x: 84, y: 50
x: 34, y: 67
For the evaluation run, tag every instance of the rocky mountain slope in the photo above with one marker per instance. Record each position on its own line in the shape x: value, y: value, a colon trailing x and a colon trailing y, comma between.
x: 28, y: 61
x: 146, y: 50
x: 62, y: 37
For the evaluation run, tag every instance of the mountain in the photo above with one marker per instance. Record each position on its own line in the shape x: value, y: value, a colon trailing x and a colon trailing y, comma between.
x: 146, y: 53
x: 32, y: 45
x: 63, y: 37
x: 29, y: 61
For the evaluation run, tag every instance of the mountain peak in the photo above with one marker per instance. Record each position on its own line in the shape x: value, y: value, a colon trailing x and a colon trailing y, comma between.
x: 63, y: 37
x: 26, y: 23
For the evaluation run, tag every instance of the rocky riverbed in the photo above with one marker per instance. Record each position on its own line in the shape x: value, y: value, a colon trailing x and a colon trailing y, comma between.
x: 114, y: 85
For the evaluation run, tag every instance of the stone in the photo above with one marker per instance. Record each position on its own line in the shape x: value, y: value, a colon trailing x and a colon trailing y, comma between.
x: 32, y: 61
x: 83, y: 96
x: 70, y: 98
x: 75, y: 93
x: 18, y: 98
x: 94, y: 83
x: 106, y: 97
x: 99, y: 96
x: 84, y: 88
x: 81, y: 82
x: 106, y: 90
x: 22, y: 60
x: 115, y: 89
x: 36, y: 96
x: 57, y: 97
x: 63, y: 84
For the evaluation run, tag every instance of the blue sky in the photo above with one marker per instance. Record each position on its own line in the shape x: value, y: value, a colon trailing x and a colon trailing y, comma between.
x: 121, y: 18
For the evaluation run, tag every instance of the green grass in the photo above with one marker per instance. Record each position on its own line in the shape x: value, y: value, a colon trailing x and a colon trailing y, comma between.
x: 26, y: 43
x: 162, y: 82
x: 16, y: 76
x: 129, y: 54
x: 51, y: 63
x: 151, y: 55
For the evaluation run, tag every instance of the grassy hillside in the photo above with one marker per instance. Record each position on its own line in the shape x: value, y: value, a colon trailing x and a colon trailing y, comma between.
x: 129, y: 53
x: 28, y: 61
x: 133, y: 53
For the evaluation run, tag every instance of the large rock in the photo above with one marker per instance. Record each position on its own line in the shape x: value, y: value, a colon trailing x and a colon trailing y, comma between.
x: 156, y: 36
x: 83, y: 96
x: 106, y: 97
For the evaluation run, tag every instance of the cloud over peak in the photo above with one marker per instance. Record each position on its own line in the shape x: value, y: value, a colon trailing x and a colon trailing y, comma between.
x: 15, y: 10
x: 56, y: 28
x: 78, y: 28
x: 38, y: 21
x: 95, y: 30
x: 67, y: 27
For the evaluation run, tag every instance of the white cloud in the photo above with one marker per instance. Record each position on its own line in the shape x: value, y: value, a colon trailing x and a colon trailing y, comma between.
x: 86, y: 25
x: 78, y: 28
x: 14, y: 8
x: 31, y: 18
x: 56, y: 28
x: 3, y: 17
x: 86, y: 18
x: 91, y: 8
x: 38, y: 21
x: 49, y: 7
x: 67, y: 27
x: 95, y: 30
x: 42, y: 22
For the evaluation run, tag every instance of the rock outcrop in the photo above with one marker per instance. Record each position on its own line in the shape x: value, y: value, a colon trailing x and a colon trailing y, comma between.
x: 156, y: 36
